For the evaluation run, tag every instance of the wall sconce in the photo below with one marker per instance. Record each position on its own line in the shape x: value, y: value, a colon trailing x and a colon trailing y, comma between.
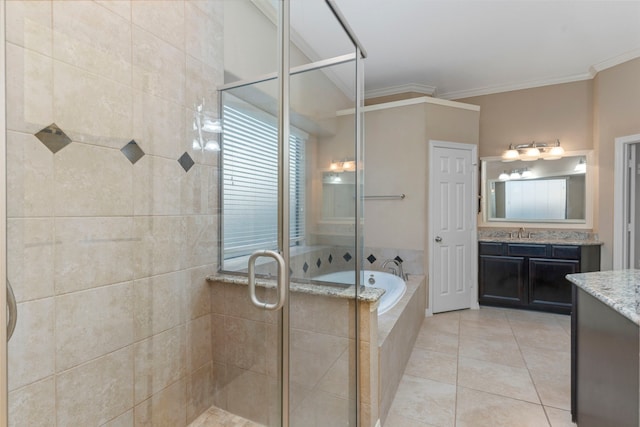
x: 341, y: 166
x: 533, y: 151
x: 581, y: 166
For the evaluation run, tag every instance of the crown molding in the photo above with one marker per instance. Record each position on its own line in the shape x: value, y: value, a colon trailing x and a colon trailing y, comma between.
x: 395, y: 90
x: 612, y: 62
x: 411, y: 101
x: 518, y: 86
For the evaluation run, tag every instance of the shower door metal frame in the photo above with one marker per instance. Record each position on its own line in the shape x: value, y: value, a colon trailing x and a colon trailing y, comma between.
x: 4, y: 385
x: 285, y: 72
x: 284, y: 27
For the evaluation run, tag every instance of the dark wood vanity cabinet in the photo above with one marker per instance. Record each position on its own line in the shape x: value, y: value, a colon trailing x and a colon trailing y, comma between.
x: 531, y: 275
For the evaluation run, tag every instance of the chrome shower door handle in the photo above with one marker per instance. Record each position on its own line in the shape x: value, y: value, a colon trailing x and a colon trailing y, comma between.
x: 281, y: 289
x: 13, y: 311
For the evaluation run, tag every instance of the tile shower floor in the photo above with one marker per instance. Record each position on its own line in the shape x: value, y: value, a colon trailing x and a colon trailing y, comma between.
x: 488, y: 367
x: 215, y: 417
x: 475, y: 368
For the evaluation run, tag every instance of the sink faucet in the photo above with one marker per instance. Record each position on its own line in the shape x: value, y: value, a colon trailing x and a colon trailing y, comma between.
x: 522, y: 234
x: 396, y: 272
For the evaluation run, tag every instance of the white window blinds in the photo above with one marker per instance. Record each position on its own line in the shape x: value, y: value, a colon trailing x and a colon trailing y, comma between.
x: 250, y: 184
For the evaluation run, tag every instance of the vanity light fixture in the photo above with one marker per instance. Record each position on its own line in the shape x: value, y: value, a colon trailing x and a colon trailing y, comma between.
x: 533, y: 151
x: 515, y: 174
x: 206, y: 130
x: 556, y: 152
x: 341, y: 166
x: 581, y: 166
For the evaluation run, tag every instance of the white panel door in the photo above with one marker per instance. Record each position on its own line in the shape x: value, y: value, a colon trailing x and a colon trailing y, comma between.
x: 452, y: 227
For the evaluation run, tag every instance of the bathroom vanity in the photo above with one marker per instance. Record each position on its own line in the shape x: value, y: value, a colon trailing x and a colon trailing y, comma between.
x: 527, y: 273
x: 605, y: 349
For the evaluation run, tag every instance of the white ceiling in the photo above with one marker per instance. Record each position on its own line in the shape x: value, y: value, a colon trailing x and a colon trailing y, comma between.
x: 467, y: 48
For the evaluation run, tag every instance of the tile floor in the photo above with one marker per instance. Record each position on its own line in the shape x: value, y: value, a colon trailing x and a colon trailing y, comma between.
x: 477, y: 368
x: 489, y: 367
x: 215, y: 417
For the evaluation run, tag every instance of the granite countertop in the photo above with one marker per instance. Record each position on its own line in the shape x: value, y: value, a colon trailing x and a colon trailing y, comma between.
x: 369, y: 294
x: 542, y: 241
x: 618, y: 289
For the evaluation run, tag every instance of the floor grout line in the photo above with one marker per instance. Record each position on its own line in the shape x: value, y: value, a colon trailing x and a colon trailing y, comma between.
x: 507, y: 318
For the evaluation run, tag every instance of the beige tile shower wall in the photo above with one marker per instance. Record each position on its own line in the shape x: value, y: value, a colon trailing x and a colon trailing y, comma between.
x: 108, y: 259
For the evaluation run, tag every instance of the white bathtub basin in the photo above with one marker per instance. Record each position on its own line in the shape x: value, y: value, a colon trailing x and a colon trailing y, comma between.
x: 393, y: 286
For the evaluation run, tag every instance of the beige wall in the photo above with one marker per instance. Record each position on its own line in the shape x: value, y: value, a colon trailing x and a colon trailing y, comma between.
x: 617, y: 113
x: 541, y: 114
x: 583, y: 115
x: 396, y: 162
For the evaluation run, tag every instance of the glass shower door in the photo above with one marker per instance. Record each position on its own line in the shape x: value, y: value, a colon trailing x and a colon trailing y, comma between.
x: 308, y: 349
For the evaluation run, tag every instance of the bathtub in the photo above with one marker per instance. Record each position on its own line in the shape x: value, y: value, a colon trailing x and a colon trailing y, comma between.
x: 393, y: 286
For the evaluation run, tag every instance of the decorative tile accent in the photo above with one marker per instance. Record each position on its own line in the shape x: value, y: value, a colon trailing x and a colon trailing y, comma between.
x: 186, y: 161
x: 330, y: 258
x: 53, y: 138
x: 132, y: 151
x: 371, y: 259
x: 305, y: 267
x: 400, y: 260
x: 347, y: 257
x: 318, y: 263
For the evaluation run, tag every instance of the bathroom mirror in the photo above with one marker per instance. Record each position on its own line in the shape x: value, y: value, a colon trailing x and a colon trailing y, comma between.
x: 550, y: 191
x: 338, y: 189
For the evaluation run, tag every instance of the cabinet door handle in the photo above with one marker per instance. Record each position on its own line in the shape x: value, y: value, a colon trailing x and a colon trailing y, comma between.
x: 438, y: 239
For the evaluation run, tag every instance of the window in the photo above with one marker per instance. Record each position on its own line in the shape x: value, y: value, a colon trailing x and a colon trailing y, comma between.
x: 536, y: 199
x: 250, y: 183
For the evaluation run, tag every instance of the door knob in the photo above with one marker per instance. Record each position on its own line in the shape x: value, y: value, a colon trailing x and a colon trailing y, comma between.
x: 438, y: 239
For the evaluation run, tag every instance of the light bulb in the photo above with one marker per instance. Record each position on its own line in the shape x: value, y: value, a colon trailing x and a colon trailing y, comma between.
x: 514, y: 175
x: 531, y: 154
x: 527, y: 173
x: 348, y: 165
x: 333, y: 166
x: 212, y: 145
x: 504, y: 176
x: 581, y: 166
x: 510, y: 155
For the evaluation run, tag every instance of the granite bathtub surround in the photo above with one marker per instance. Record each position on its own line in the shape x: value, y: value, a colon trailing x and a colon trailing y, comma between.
x: 110, y: 237
x: 535, y: 235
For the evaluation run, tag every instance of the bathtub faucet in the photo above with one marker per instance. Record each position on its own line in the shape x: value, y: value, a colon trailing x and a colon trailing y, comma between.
x: 396, y: 271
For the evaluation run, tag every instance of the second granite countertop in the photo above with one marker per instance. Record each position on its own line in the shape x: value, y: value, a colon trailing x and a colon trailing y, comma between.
x: 619, y: 289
